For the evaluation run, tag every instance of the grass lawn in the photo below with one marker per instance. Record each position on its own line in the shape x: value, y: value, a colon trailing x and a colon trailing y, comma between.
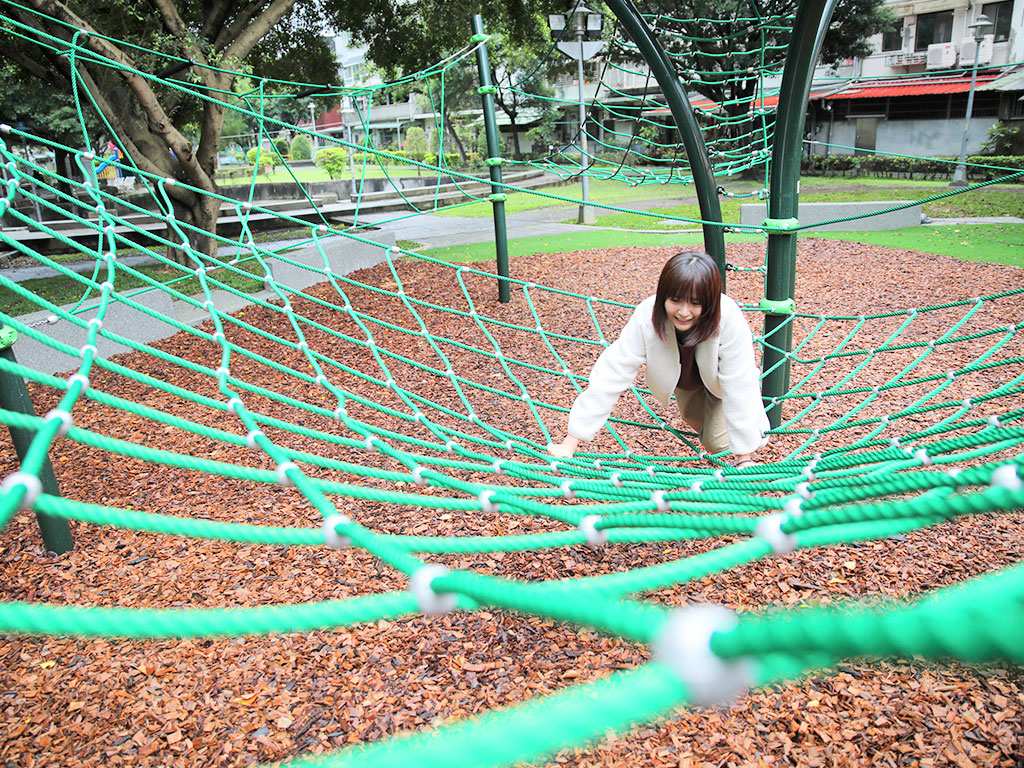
x: 61, y: 289
x: 998, y: 200
x: 992, y: 243
x: 995, y: 243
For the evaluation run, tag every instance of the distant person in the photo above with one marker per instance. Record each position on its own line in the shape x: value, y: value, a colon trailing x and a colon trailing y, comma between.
x: 695, y: 344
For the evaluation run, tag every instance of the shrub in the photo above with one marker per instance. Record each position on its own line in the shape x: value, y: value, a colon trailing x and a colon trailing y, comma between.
x: 334, y: 160
x: 910, y: 167
x: 300, y: 148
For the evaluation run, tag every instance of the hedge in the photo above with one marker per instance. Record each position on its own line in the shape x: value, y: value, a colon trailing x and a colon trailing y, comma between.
x: 910, y: 167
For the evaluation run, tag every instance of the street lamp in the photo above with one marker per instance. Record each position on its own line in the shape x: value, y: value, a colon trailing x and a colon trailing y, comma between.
x: 312, y: 123
x: 357, y: 105
x: 960, y: 174
x: 585, y: 23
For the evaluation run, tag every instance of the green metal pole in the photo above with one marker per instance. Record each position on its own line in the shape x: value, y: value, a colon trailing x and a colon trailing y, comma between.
x: 679, y: 103
x: 494, y: 159
x: 809, y: 29
x: 14, y: 397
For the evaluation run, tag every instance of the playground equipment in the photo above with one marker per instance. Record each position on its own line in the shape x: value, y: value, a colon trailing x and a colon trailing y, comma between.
x: 361, y: 392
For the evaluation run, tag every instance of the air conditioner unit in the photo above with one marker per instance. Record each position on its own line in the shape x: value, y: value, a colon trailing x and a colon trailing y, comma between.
x: 941, y: 56
x: 970, y: 46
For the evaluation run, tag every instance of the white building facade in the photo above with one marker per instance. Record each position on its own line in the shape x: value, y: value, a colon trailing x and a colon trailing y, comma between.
x: 910, y: 95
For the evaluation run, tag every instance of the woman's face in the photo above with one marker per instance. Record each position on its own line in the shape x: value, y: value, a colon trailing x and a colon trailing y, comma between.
x: 683, y: 313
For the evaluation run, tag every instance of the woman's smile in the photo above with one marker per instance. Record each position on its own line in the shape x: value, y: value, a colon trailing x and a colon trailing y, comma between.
x: 684, y: 314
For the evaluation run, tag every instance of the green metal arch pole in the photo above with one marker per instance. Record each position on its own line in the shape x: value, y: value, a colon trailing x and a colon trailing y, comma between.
x: 809, y: 29
x: 14, y: 397
x: 679, y: 103
x: 494, y: 160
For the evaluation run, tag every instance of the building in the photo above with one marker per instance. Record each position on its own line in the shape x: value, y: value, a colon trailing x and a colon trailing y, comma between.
x: 911, y: 94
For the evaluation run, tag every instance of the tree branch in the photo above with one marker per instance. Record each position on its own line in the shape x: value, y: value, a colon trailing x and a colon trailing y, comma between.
x: 158, y: 121
x: 252, y: 33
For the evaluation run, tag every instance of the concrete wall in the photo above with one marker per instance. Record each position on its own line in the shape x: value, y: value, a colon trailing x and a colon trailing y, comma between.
x: 753, y: 214
x: 922, y: 138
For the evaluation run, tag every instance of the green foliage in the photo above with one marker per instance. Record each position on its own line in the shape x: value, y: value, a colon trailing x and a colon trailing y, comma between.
x: 267, y: 157
x: 300, y: 148
x: 993, y: 167
x: 416, y: 147
x: 334, y: 160
x: 282, y: 147
x: 1004, y: 139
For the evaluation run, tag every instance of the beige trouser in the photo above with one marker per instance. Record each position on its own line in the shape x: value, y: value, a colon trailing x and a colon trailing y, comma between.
x: 704, y: 414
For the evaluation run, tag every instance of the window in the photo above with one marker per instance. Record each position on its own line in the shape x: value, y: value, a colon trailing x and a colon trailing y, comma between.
x: 892, y: 38
x: 999, y: 14
x: 933, y: 28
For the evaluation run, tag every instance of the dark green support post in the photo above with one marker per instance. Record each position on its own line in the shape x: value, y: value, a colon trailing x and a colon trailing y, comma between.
x: 679, y: 103
x: 494, y: 159
x: 809, y: 29
x: 14, y: 397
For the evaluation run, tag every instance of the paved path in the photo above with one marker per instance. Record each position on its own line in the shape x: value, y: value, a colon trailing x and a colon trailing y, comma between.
x: 433, y: 231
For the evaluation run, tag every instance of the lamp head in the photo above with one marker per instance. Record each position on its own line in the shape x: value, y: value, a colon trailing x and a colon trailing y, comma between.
x: 979, y: 26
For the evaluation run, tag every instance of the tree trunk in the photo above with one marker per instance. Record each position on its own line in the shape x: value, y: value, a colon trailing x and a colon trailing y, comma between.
x: 517, y: 151
x: 197, y: 217
x: 458, y: 142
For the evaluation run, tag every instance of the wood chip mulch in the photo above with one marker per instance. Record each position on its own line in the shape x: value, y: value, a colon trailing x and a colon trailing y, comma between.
x: 75, y: 702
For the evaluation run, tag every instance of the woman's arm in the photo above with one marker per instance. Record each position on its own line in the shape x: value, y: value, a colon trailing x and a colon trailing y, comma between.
x: 612, y: 374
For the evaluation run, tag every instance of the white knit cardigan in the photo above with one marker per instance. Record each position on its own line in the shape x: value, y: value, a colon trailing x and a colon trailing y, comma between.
x: 725, y: 361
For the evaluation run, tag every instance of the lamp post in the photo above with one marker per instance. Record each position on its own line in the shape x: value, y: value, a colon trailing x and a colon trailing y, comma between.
x: 350, y: 136
x: 585, y: 23
x: 312, y: 127
x: 960, y: 174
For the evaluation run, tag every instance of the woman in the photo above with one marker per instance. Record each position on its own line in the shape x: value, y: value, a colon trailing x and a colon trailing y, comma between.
x: 696, y: 344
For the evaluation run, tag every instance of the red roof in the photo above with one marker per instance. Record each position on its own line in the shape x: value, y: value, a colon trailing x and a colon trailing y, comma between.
x: 758, y: 103
x: 919, y: 86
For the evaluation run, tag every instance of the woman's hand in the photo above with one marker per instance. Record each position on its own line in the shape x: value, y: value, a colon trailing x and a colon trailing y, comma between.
x: 566, y: 448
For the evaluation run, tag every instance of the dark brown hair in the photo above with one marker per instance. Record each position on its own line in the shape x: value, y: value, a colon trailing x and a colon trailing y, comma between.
x: 692, y: 276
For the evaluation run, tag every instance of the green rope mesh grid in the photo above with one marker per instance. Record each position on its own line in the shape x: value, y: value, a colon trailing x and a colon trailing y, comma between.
x: 880, y: 442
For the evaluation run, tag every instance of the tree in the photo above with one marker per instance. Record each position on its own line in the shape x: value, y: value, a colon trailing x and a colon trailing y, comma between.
x: 405, y: 36
x: 300, y: 148
x: 523, y: 74
x: 720, y: 50
x: 163, y: 123
x: 416, y: 147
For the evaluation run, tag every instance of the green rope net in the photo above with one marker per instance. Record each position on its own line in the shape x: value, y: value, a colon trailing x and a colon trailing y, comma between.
x: 349, y: 391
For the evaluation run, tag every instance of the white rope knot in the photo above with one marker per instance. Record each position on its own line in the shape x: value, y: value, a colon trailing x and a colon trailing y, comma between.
x: 486, y: 505
x: 658, y: 497
x: 66, y: 421
x: 684, y: 645
x: 250, y: 438
x: 567, y: 490
x: 282, y: 473
x: 332, y: 538
x: 417, y: 476
x: 431, y: 603
x: 588, y: 527
x: 793, y: 507
x: 80, y: 378
x: 32, y: 485
x: 770, y: 529
x: 1006, y: 477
